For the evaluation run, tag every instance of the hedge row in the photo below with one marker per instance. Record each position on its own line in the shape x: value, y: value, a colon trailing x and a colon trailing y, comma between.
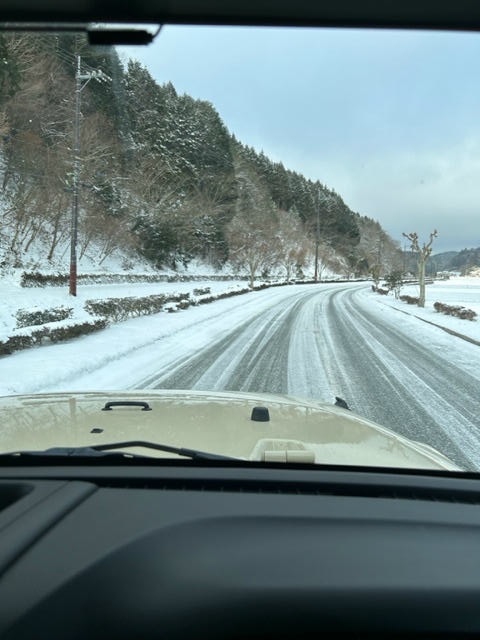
x: 222, y: 296
x: 118, y: 309
x: 37, y: 279
x: 379, y: 290
x: 206, y: 299
x: 114, y: 309
x: 201, y: 292
x: 183, y: 301
x: 409, y: 299
x: 457, y: 311
x: 111, y: 309
x: 27, y: 318
x: 50, y: 334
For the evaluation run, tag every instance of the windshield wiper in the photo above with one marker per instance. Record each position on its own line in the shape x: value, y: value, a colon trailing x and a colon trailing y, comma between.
x: 107, y: 449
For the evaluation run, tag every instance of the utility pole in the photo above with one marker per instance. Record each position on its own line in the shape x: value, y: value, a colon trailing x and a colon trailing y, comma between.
x: 317, y: 236
x: 81, y: 81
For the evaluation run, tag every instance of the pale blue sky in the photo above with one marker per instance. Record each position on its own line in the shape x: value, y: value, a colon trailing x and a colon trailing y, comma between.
x: 390, y: 120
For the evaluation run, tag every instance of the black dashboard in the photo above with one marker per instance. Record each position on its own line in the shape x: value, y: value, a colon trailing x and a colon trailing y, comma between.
x: 183, y: 551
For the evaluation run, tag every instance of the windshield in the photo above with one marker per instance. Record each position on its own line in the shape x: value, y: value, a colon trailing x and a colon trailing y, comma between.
x: 233, y: 212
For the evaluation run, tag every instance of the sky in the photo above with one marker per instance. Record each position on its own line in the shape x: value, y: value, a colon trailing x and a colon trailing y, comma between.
x: 389, y: 120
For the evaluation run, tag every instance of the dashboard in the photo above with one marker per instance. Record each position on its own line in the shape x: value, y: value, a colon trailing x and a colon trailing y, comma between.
x: 182, y: 551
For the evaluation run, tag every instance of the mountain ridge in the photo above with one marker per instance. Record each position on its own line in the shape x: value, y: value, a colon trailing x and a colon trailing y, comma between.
x: 159, y: 174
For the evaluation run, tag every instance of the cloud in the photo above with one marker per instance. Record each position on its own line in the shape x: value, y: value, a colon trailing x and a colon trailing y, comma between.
x: 420, y: 191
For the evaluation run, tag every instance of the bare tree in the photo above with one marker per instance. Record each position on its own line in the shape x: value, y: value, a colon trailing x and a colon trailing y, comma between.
x: 290, y: 240
x: 251, y: 246
x: 423, y: 253
x: 252, y: 232
x: 376, y: 252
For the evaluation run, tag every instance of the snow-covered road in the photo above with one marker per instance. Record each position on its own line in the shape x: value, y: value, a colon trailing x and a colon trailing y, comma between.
x: 314, y: 341
x: 332, y: 341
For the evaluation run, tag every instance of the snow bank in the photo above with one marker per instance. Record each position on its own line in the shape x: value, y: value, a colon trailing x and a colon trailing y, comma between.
x: 462, y: 291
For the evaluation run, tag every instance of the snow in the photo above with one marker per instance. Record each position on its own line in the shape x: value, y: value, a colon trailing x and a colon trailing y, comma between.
x: 126, y: 355
x: 37, y: 370
x: 118, y: 356
x: 15, y: 297
x: 461, y: 291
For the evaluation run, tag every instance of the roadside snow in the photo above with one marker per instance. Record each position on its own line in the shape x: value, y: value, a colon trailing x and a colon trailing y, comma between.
x: 98, y: 360
x: 462, y: 291
x: 120, y: 355
x: 15, y: 297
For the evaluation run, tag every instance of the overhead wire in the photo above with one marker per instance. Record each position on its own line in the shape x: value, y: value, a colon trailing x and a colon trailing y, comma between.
x: 68, y: 56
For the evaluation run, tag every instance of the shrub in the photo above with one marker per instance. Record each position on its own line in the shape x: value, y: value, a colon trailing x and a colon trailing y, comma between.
x: 118, y: 309
x: 26, y: 318
x: 409, y: 299
x: 394, y: 282
x: 454, y: 310
x: 50, y: 334
x: 68, y: 332
x: 37, y: 279
x: 201, y: 292
x: 222, y: 296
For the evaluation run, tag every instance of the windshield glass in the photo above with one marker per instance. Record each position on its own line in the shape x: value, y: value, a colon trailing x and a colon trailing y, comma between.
x: 232, y: 212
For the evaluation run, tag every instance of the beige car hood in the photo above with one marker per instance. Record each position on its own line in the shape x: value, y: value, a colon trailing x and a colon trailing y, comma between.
x: 217, y: 422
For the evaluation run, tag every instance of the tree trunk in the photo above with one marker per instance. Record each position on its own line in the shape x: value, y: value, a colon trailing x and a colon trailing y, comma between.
x: 56, y: 234
x: 88, y: 237
x: 421, y: 281
x: 34, y: 233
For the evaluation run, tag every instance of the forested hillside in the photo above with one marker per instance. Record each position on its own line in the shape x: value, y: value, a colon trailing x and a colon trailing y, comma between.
x: 465, y: 260
x: 160, y: 174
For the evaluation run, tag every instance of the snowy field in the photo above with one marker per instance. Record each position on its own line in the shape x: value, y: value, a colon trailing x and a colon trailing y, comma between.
x: 459, y: 291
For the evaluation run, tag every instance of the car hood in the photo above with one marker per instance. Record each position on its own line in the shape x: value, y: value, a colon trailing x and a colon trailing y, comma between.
x: 297, y: 430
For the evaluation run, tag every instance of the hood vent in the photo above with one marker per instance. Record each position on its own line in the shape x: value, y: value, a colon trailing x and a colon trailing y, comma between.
x: 260, y: 414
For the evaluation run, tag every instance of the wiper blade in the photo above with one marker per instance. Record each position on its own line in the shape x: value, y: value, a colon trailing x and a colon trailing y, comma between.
x: 107, y: 449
